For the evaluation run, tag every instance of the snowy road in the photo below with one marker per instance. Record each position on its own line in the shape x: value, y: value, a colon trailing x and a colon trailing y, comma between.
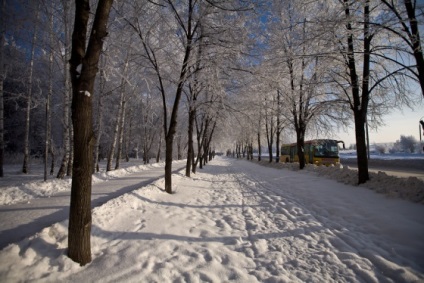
x: 403, y: 168
x: 22, y: 220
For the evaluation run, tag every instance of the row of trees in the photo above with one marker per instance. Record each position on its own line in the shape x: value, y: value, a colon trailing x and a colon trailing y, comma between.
x: 348, y: 62
x: 192, y: 75
x: 162, y: 78
x: 407, y: 144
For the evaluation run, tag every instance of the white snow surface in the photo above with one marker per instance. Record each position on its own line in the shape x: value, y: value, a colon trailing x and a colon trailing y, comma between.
x: 85, y: 92
x: 237, y: 221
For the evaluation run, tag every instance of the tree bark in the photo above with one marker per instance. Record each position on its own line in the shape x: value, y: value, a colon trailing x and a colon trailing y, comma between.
x: 79, y: 248
x: 2, y: 78
x: 190, y: 147
x: 99, y: 129
x: 159, y: 149
x: 269, y: 127
x: 71, y: 149
x: 414, y: 36
x: 121, y: 118
x: 359, y: 106
x: 120, y: 135
x: 48, y: 144
x: 259, y: 146
x: 66, y: 96
x: 300, y: 136
x: 118, y: 132
x: 29, y: 99
x: 279, y: 128
x: 169, y: 136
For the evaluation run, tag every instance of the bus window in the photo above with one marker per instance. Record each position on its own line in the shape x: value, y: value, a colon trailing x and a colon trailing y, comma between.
x: 327, y: 148
x: 285, y: 150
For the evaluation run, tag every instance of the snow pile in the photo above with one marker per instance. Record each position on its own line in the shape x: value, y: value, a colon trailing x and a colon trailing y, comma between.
x: 27, y: 191
x: 104, y: 176
x: 235, y: 221
x: 410, y: 188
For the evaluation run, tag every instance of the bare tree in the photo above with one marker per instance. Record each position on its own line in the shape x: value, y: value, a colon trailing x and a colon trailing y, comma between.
x: 119, y: 119
x: 66, y: 119
x: 405, y: 25
x: 48, y: 140
x: 269, y: 129
x: 29, y: 98
x: 360, y: 102
x: 83, y: 69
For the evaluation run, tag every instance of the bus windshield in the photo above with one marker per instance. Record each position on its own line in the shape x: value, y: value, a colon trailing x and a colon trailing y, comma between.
x: 328, y: 148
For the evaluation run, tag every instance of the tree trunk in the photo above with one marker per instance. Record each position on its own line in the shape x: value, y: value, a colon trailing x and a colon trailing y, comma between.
x: 99, y: 129
x: 79, y: 229
x: 2, y: 78
x: 279, y: 129
x: 300, y: 136
x: 115, y: 136
x: 159, y: 149
x: 47, y: 135
x: 179, y: 148
x: 361, y: 112
x: 29, y: 99
x: 269, y: 136
x: 414, y: 36
x: 53, y: 157
x: 71, y: 150
x: 190, y: 147
x: 259, y: 146
x: 120, y: 135
x: 66, y: 143
x: 118, y: 131
x: 128, y: 138
x: 48, y: 144
x: 66, y: 97
x: 121, y: 118
x: 361, y: 149
x: 169, y: 137
x: 359, y: 106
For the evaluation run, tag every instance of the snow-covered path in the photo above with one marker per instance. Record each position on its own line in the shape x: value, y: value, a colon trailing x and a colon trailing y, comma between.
x: 317, y: 227
x: 236, y: 221
x: 24, y: 219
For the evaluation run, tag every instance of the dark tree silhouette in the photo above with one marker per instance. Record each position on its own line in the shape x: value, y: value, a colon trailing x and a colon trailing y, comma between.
x: 83, y: 70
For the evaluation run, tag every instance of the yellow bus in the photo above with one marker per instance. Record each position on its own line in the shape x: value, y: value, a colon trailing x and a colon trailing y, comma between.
x: 318, y: 152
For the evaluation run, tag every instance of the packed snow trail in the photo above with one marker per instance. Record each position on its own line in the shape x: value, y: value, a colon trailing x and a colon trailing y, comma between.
x: 309, y: 229
x: 236, y: 221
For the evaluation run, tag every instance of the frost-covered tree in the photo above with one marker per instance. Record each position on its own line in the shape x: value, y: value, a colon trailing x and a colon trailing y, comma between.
x: 407, y: 143
x: 170, y: 57
x: 402, y: 19
x: 297, y: 68
x: 363, y: 70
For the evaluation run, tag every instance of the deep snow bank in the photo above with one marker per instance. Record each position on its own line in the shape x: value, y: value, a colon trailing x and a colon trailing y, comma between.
x: 411, y: 188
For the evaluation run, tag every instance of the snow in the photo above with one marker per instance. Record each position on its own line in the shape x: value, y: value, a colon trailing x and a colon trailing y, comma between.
x: 85, y: 92
x: 239, y: 221
x: 15, y: 191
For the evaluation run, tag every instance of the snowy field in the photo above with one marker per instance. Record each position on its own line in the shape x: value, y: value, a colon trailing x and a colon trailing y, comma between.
x: 237, y: 221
